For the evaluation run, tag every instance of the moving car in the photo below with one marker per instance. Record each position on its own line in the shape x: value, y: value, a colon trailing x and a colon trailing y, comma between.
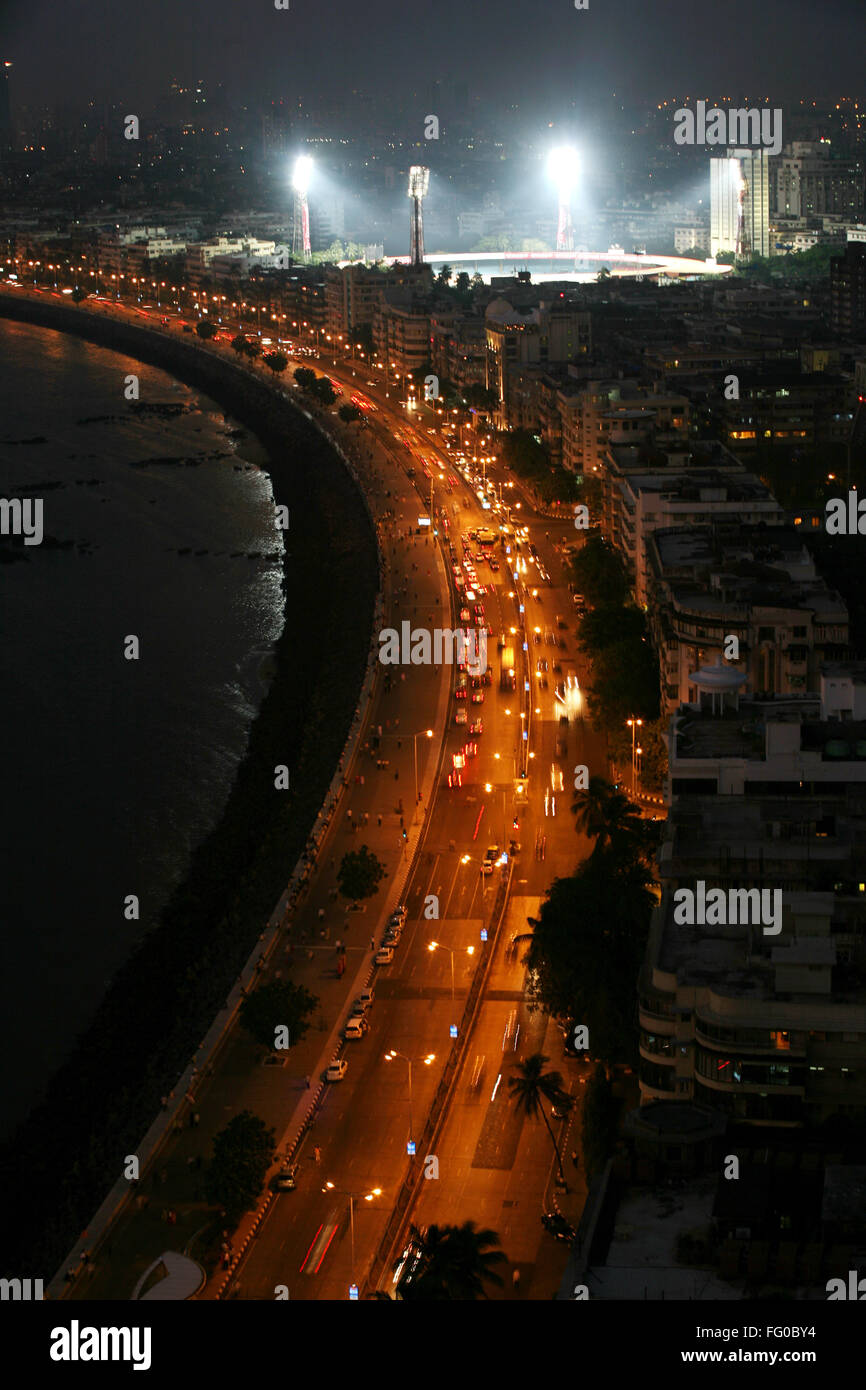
x: 337, y: 1070
x: 490, y: 858
x: 461, y: 716
x: 476, y: 727
x: 286, y: 1180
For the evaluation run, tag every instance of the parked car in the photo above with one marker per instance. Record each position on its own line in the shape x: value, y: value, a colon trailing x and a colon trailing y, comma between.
x: 399, y: 914
x: 384, y: 955
x: 355, y: 1029
x: 337, y: 1070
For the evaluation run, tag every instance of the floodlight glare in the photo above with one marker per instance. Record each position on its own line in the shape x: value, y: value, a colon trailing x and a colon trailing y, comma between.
x: 563, y: 167
x: 301, y: 176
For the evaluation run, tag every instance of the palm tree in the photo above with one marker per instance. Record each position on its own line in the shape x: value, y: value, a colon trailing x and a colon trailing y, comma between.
x: 533, y: 1084
x: 609, y: 818
x: 454, y: 1263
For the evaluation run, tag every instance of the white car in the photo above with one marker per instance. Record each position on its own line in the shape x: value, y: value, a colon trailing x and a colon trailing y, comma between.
x: 490, y: 859
x: 461, y: 717
x: 355, y: 1028
x: 337, y: 1070
x: 384, y: 955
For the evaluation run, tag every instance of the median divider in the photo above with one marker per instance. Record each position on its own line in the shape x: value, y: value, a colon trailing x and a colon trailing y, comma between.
x: 435, y: 1117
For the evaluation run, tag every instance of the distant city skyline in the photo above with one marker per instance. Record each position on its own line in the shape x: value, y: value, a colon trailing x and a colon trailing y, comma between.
x: 780, y: 48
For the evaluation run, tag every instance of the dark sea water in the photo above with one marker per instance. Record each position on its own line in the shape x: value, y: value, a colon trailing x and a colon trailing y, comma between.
x: 112, y: 770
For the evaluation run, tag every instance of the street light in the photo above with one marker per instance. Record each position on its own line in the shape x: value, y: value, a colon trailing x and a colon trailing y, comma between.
x: 634, y: 725
x: 389, y: 1057
x: 437, y: 946
x: 353, y: 1197
x: 422, y: 733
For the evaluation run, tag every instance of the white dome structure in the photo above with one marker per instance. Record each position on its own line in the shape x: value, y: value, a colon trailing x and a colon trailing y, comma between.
x: 720, y: 682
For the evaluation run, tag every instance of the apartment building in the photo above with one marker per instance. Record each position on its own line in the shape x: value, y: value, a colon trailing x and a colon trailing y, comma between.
x: 401, y: 330
x: 766, y: 1028
x: 758, y: 585
x: 675, y: 487
x: 606, y: 413
x: 786, y: 406
x: 354, y: 293
x: 552, y: 332
x: 458, y: 347
x: 808, y: 182
x: 848, y: 289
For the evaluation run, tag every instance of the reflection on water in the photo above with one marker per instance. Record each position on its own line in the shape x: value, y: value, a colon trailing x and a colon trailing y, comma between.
x: 158, y: 524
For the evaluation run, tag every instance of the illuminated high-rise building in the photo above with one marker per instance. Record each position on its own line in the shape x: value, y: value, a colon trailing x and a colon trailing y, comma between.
x: 301, y: 222
x: 755, y: 218
x: 740, y: 204
x: 725, y: 195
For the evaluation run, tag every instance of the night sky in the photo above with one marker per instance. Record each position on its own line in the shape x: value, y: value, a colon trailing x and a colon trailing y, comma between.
x: 505, y: 50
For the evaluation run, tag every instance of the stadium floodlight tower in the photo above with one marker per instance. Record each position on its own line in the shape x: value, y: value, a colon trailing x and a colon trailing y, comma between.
x: 301, y: 221
x: 419, y: 182
x: 562, y: 167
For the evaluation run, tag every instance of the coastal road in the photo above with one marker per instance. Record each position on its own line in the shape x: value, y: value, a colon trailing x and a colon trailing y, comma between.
x: 365, y: 1120
x: 362, y: 1125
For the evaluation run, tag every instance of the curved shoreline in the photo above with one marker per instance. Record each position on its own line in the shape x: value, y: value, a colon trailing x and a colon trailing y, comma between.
x: 104, y: 1096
